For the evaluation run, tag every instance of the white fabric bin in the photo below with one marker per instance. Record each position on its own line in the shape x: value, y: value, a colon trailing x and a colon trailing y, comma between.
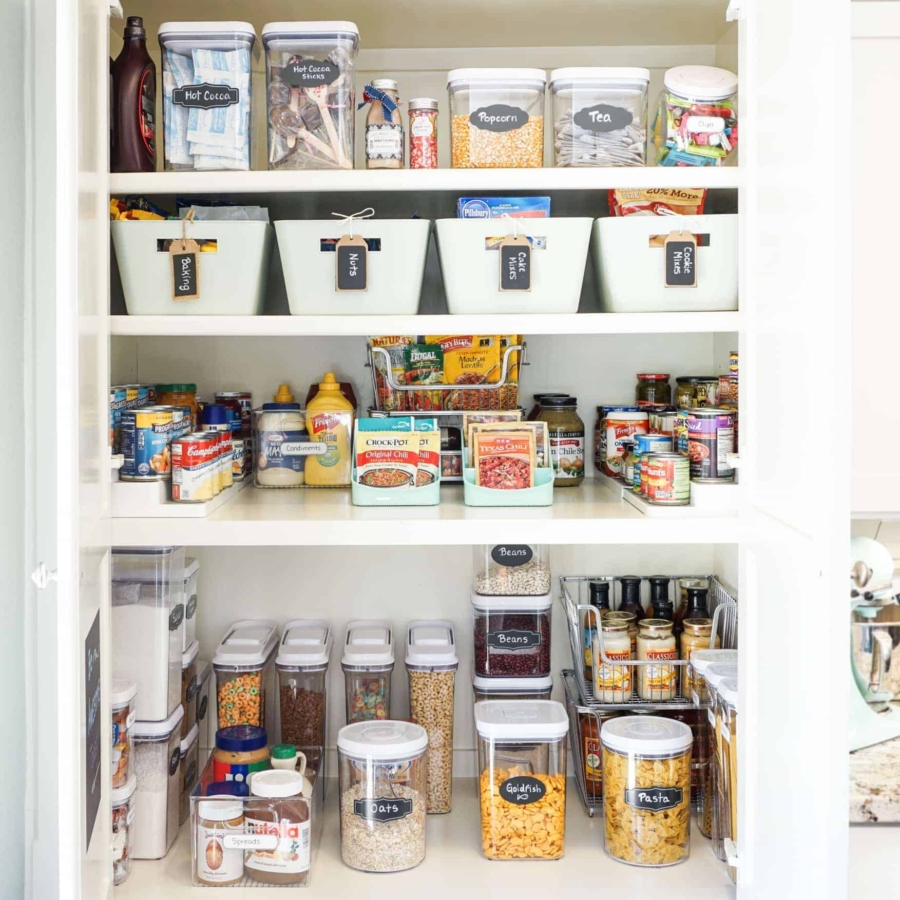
x: 393, y: 274
x: 472, y: 271
x: 631, y: 272
x: 232, y: 280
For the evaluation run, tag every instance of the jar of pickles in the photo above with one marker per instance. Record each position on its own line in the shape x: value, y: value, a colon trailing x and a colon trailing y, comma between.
x: 656, y: 646
x: 653, y: 390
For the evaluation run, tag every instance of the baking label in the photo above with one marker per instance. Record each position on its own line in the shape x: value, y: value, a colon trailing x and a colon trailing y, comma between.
x: 310, y: 73
x: 515, y: 264
x: 351, y: 269
x: 382, y: 809
x: 655, y: 799
x: 176, y: 617
x: 206, y: 96
x: 603, y: 118
x: 499, y: 117
x: 513, y: 640
x: 185, y: 271
x: 522, y: 789
x: 93, y: 733
x: 511, y: 555
x: 681, y: 260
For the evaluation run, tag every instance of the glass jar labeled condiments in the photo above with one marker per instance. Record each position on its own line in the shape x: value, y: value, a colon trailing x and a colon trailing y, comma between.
x: 423, y: 125
x: 697, y: 635
x: 612, y: 682
x: 656, y: 644
x: 218, y: 864
x: 653, y: 390
x: 384, y: 127
x: 566, y: 439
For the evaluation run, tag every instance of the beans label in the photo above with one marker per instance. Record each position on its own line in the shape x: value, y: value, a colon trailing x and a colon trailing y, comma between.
x: 603, y: 118
x: 310, y: 73
x: 522, y: 789
x: 382, y: 809
x: 515, y: 264
x: 513, y: 640
x: 655, y: 799
x: 206, y: 96
x: 681, y: 260
x: 499, y: 117
x: 351, y: 264
x: 191, y: 607
x: 511, y: 555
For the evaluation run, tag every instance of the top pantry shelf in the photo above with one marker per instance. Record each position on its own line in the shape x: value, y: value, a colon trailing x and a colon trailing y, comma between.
x: 361, y: 180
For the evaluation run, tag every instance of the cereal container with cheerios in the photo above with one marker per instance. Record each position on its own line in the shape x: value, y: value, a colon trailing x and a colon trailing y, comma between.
x: 242, y: 665
x: 522, y: 780
x: 368, y: 661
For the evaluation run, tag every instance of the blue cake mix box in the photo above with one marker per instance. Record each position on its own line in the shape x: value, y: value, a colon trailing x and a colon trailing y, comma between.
x: 495, y: 207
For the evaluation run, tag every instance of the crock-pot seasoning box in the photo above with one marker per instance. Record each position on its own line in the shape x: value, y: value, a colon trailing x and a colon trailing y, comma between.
x: 566, y: 439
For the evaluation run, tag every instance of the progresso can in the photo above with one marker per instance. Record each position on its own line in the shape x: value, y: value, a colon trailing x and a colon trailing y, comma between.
x: 710, y: 439
x: 117, y: 400
x: 643, y: 445
x: 146, y: 435
x: 196, y: 471
x: 668, y: 479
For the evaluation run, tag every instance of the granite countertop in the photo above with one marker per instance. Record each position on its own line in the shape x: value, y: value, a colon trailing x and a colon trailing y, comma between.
x: 875, y: 783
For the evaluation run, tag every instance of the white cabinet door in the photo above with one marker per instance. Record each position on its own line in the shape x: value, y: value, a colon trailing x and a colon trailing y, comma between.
x: 69, y: 677
x: 795, y: 375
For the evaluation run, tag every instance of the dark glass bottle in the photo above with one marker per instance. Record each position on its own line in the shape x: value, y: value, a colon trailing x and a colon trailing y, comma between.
x: 631, y: 596
x: 659, y: 596
x: 133, y: 138
x: 696, y: 607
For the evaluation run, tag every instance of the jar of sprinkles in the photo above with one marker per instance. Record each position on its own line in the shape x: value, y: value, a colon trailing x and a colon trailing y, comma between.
x: 423, y: 130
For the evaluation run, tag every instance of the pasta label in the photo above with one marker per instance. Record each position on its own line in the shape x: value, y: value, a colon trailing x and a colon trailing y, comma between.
x: 655, y: 799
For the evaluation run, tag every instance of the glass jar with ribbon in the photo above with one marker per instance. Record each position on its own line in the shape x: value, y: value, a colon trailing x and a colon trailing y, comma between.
x: 384, y: 127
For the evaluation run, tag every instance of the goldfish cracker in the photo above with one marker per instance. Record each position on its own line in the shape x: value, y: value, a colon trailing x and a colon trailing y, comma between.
x: 329, y: 421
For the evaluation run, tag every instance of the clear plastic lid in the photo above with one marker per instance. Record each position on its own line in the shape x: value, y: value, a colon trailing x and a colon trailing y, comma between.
x: 718, y: 672
x: 276, y: 783
x: 511, y: 685
x: 495, y: 76
x: 190, y: 654
x: 701, y: 82
x: 206, y: 30
x: 123, y: 692
x: 300, y: 30
x: 204, y: 670
x: 646, y: 735
x: 431, y: 644
x: 617, y: 75
x: 537, y: 603
x: 701, y: 660
x: 220, y: 810
x: 121, y: 795
x: 369, y: 642
x: 191, y: 567
x: 305, y: 644
x: 521, y: 720
x: 144, y: 565
x: 385, y: 740
x: 157, y: 731
x: 247, y: 645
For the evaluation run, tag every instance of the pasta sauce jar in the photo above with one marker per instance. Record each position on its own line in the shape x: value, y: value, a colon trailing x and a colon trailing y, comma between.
x: 423, y: 116
x: 566, y: 439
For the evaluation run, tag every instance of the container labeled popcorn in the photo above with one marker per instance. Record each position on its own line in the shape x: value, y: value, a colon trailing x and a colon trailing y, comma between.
x: 368, y: 661
x: 242, y: 662
x: 497, y: 118
x: 647, y: 790
x: 522, y: 780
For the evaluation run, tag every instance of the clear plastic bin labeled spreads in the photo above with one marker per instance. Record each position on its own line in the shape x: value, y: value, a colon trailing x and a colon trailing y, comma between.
x: 241, y: 664
x: 368, y: 661
x: 517, y: 570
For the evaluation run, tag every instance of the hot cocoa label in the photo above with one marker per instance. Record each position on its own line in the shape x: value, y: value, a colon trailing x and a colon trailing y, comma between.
x: 513, y: 640
x: 522, y: 790
x: 310, y: 73
x: 206, y: 96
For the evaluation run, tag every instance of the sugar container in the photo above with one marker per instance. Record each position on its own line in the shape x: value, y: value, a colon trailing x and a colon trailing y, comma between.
x: 241, y: 663
x: 368, y: 661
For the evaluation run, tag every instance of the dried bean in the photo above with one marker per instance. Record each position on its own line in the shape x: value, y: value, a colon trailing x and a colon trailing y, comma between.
x: 532, y: 579
x: 302, y: 716
x: 431, y: 706
x: 531, y: 661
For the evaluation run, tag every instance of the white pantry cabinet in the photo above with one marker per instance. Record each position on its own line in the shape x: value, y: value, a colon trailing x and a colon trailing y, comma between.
x: 785, y: 549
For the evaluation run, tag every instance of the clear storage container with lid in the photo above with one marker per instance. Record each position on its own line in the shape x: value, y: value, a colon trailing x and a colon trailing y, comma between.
x: 189, y: 769
x: 215, y: 863
x: 727, y: 692
x: 148, y: 626
x: 383, y: 795
x: 497, y: 118
x: 190, y: 687
x: 121, y: 761
x: 522, y: 778
x: 302, y: 666
x: 511, y: 688
x: 311, y: 83
x: 281, y: 442
x: 241, y: 663
x: 205, y: 721
x: 647, y: 790
x: 431, y: 663
x: 157, y: 765
x: 191, y: 579
x: 512, y: 636
x: 600, y: 116
x: 206, y: 95
x: 696, y: 120
x: 368, y: 661
x: 715, y: 812
x: 512, y: 570
x: 122, y: 799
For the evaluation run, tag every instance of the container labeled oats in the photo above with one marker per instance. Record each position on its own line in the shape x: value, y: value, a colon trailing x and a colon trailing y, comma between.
x: 647, y: 790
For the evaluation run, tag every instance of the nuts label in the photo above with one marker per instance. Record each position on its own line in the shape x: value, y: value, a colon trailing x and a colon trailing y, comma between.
x: 655, y: 799
x: 382, y: 809
x: 603, y: 118
x: 499, y: 117
x: 514, y: 640
x: 522, y: 789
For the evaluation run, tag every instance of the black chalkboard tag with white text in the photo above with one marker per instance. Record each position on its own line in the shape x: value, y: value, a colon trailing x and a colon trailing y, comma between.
x: 351, y: 264
x: 184, y: 254
x: 515, y: 263
x: 681, y: 259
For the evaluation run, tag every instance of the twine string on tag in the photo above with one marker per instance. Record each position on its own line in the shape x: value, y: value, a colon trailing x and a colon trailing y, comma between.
x: 189, y: 217
x: 366, y: 213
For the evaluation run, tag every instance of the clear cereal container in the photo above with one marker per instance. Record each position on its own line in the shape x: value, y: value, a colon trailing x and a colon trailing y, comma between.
x: 647, y: 790
x: 368, y: 661
x: 383, y: 795
x: 599, y: 116
x: 206, y: 95
x: 512, y: 636
x: 191, y: 579
x: 522, y: 778
x: 122, y: 819
x: 512, y: 570
x: 511, y: 688
x: 148, y: 626
x: 431, y: 663
x: 497, y: 118
x: 122, y: 703
x: 190, y: 687
x: 311, y: 94
x: 241, y: 663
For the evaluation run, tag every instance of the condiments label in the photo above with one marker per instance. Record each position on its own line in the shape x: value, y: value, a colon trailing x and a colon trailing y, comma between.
x: 522, y: 790
x: 515, y: 263
x: 310, y: 73
x: 681, y: 260
x: 351, y: 264
x: 382, y: 809
x: 511, y: 555
x: 603, y: 118
x: 513, y: 640
x: 206, y: 96
x: 654, y: 799
x: 499, y: 117
x: 184, y: 255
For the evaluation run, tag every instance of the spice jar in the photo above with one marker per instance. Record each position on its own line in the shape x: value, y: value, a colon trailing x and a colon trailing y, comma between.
x: 612, y: 682
x: 280, y: 439
x: 655, y: 643
x: 653, y: 390
x: 423, y: 123
x: 122, y: 801
x: 512, y: 636
x: 522, y: 780
x: 697, y: 635
x: 384, y: 127
x: 122, y: 703
x: 383, y: 791
x: 566, y: 439
x: 217, y: 864
x: 646, y: 790
x: 241, y: 664
x: 431, y: 663
x: 511, y: 688
x: 368, y: 661
x: 240, y: 751
x: 179, y: 395
x: 517, y: 570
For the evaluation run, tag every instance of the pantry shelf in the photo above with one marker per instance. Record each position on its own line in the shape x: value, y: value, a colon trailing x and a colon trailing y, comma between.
x: 590, y: 514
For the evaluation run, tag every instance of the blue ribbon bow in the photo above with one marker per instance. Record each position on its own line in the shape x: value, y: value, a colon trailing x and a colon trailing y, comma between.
x: 371, y: 94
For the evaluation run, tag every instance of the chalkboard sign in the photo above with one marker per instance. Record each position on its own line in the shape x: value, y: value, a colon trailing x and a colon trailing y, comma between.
x: 522, y: 789
x: 382, y: 809
x: 511, y: 555
x: 351, y: 264
x: 206, y: 96
x: 93, y: 732
x: 514, y: 640
x: 499, y: 117
x: 185, y: 270
x: 515, y: 264
x: 603, y: 118
x: 310, y: 73
x: 655, y: 799
x: 681, y: 260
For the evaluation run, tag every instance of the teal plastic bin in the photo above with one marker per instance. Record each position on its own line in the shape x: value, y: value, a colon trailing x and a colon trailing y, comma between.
x: 540, y: 495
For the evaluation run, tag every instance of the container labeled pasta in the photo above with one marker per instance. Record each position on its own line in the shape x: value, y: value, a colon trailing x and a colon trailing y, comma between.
x: 647, y: 790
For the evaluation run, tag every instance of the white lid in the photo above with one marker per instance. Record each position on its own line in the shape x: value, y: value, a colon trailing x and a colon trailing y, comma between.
x: 247, y: 643
x: 123, y: 692
x: 369, y: 642
x: 223, y: 810
x: 191, y: 738
x: 276, y: 783
x: 701, y: 82
x: 521, y: 720
x: 190, y: 654
x: 121, y: 795
x: 718, y: 672
x: 645, y: 735
x: 382, y: 740
x: 431, y: 643
x: 506, y: 604
x: 302, y: 29
x: 305, y: 644
x: 600, y: 73
x: 494, y: 75
x: 509, y: 685
x: 151, y: 730
x: 626, y: 415
x: 728, y: 691
x: 701, y: 660
x: 201, y: 28
x: 191, y: 567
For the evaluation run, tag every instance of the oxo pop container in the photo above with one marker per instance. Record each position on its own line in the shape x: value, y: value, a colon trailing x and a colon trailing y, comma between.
x: 191, y: 579
x: 189, y: 770
x: 727, y: 700
x: 522, y: 778
x: 368, y: 661
x: 512, y: 636
x: 511, y: 688
x: 122, y: 703
x: 512, y: 570
x: 190, y: 687
x: 206, y: 710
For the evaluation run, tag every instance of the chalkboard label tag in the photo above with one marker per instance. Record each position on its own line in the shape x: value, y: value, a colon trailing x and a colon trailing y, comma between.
x: 654, y: 799
x: 382, y: 809
x: 511, y: 555
x: 603, y: 118
x: 514, y: 640
x: 310, y: 73
x: 351, y: 264
x: 515, y: 263
x: 681, y: 260
x: 206, y: 96
x: 499, y: 117
x: 185, y: 269
x: 522, y: 790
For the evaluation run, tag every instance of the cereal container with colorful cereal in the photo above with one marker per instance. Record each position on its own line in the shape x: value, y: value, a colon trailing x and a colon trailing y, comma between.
x: 241, y: 663
x: 368, y: 661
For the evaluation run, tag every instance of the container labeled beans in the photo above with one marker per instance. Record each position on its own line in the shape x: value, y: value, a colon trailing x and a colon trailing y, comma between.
x: 511, y: 688
x: 497, y: 118
x: 522, y: 780
x: 368, y: 661
x: 600, y: 116
x: 431, y: 663
x: 383, y: 795
x: 512, y: 570
x: 122, y: 800
x: 241, y: 664
x: 646, y: 790
x: 122, y: 703
x: 512, y: 636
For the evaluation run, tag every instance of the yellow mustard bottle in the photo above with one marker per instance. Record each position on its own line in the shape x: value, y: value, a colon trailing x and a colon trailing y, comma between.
x: 329, y: 421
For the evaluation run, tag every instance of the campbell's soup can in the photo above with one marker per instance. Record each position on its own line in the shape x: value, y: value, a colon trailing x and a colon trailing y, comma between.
x: 226, y: 451
x: 667, y: 479
x: 710, y: 440
x: 195, y: 467
x: 145, y: 437
x: 645, y: 444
